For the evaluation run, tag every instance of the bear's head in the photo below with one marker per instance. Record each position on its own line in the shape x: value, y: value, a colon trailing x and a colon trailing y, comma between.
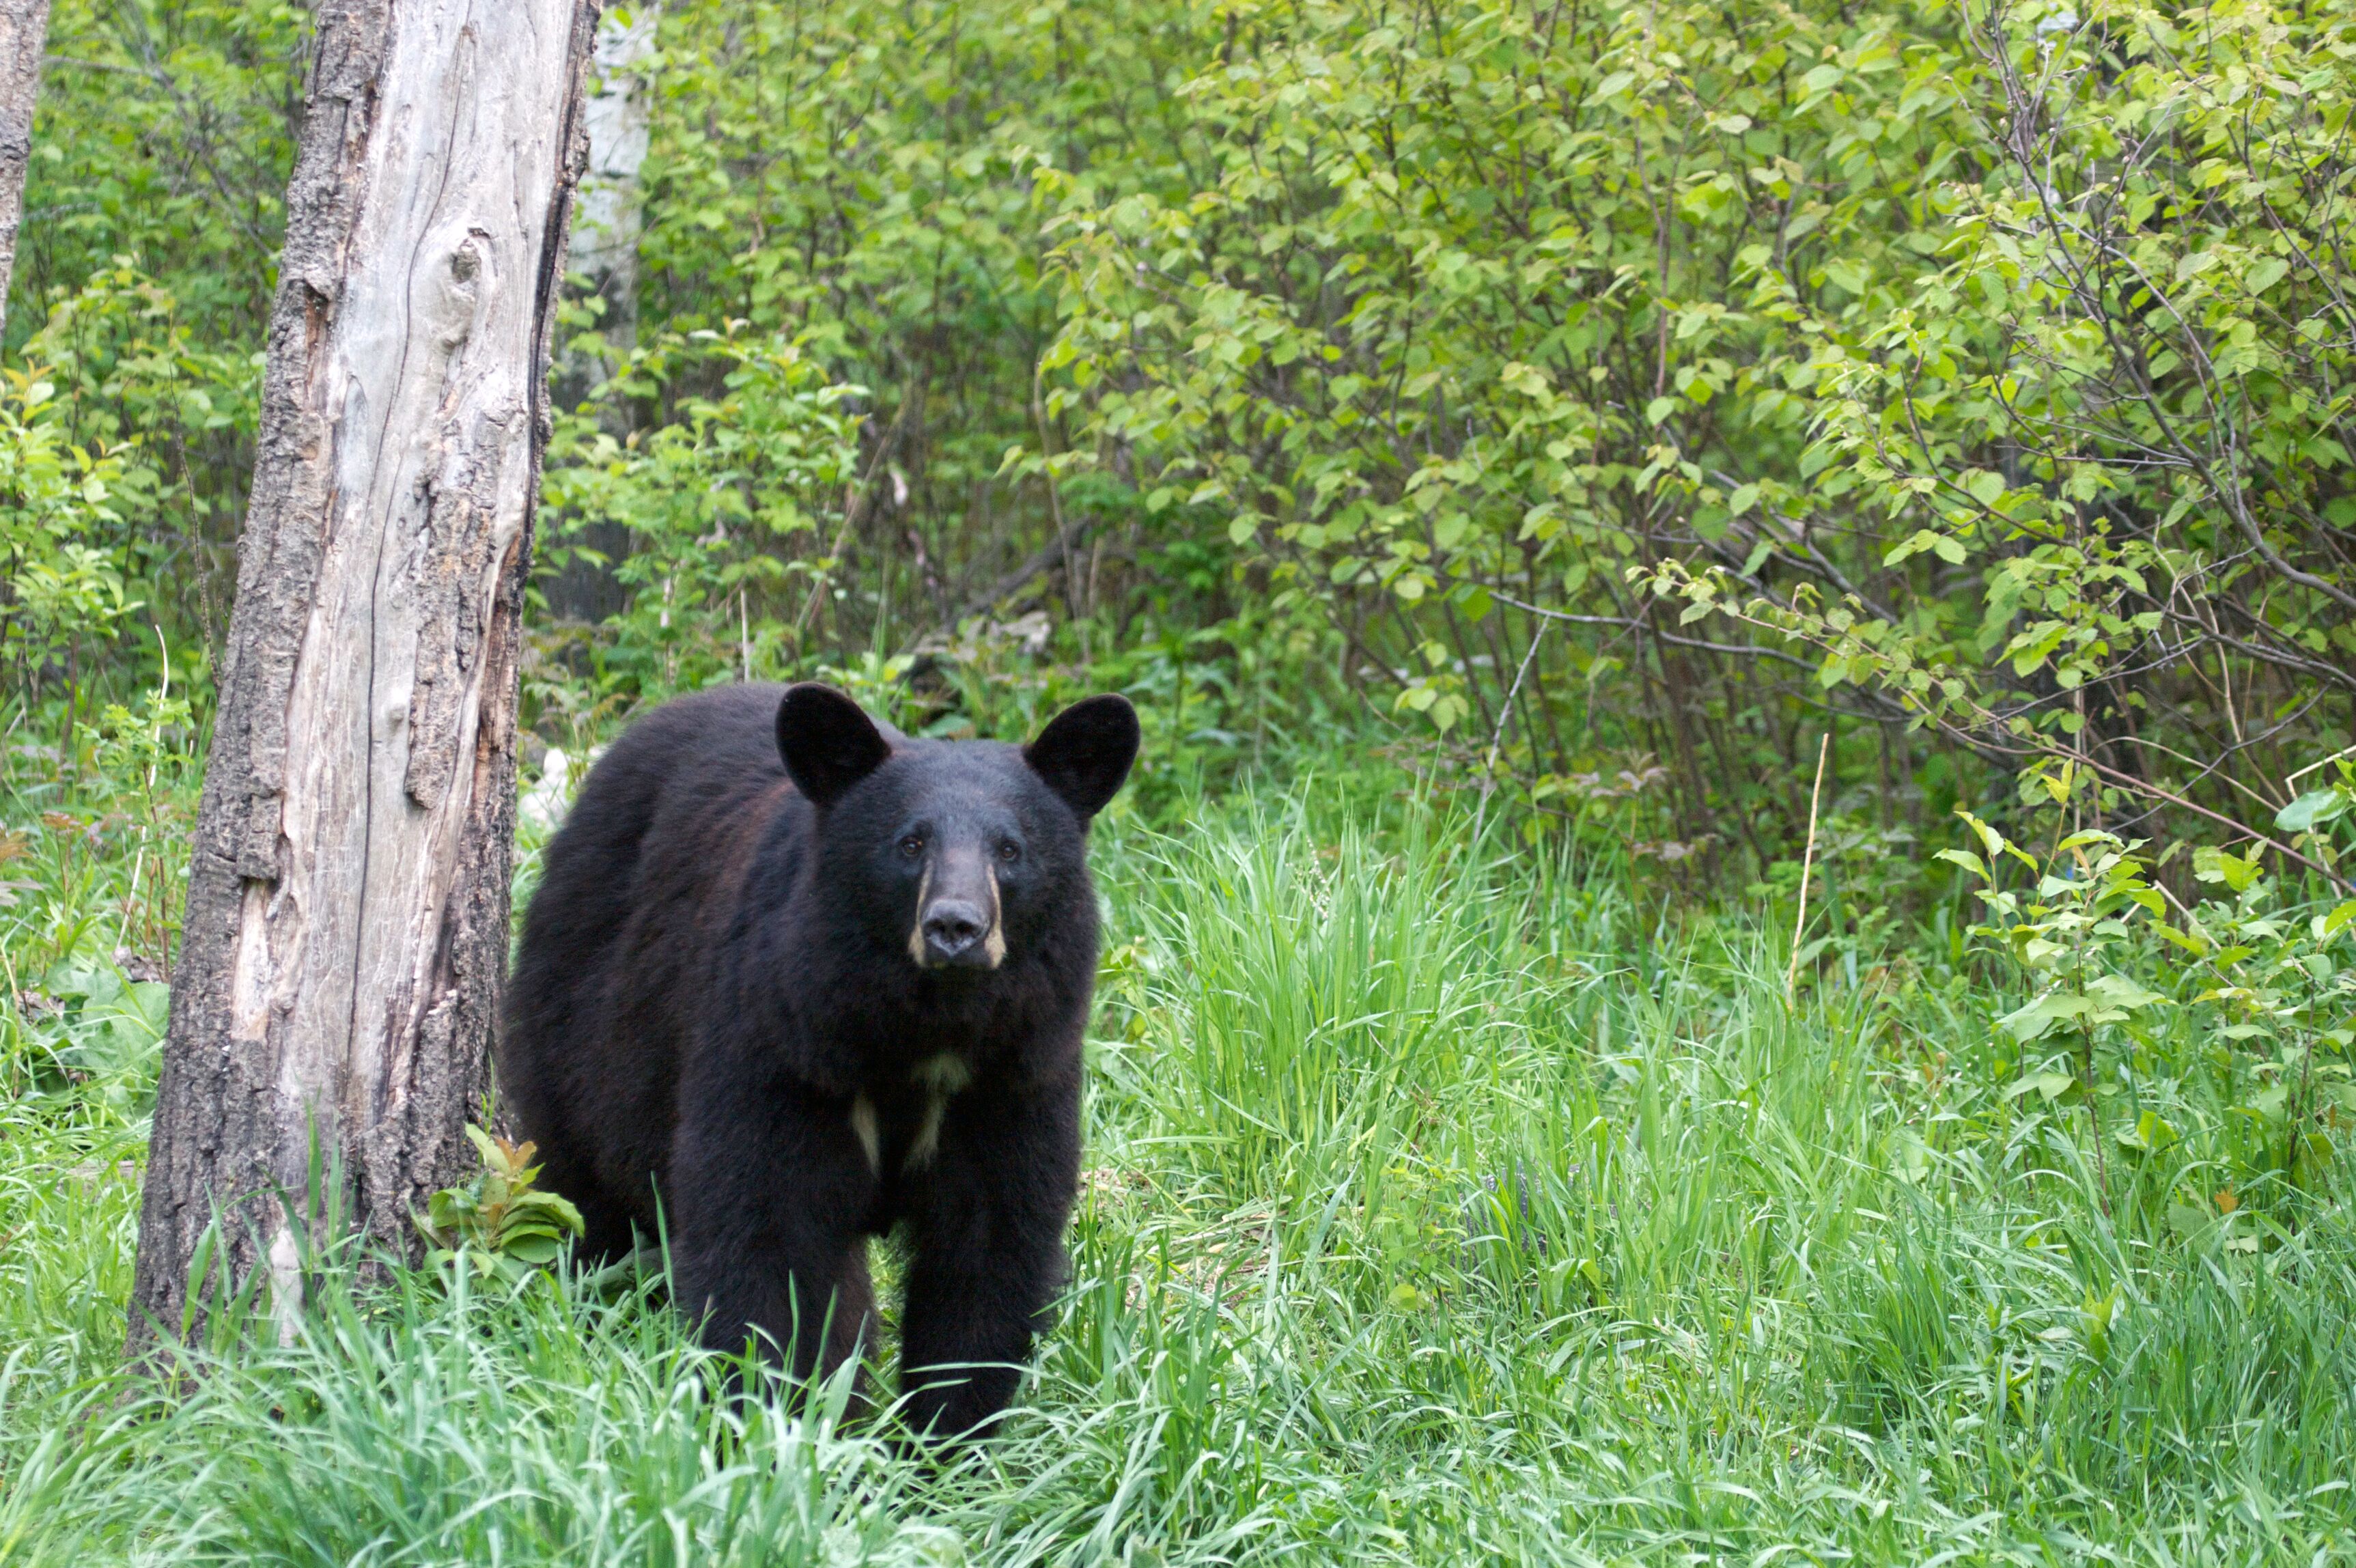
x: 956, y: 853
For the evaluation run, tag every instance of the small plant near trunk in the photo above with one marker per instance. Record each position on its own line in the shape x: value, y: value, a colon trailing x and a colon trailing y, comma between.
x: 498, y: 1224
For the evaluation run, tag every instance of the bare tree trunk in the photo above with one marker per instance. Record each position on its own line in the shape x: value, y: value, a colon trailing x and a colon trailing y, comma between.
x: 606, y: 254
x: 24, y: 32
x: 347, y: 905
x: 612, y: 206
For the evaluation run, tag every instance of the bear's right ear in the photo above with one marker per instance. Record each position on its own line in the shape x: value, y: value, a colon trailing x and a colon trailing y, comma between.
x: 829, y: 743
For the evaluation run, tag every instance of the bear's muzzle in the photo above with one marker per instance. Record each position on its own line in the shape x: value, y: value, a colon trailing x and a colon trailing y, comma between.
x: 958, y: 923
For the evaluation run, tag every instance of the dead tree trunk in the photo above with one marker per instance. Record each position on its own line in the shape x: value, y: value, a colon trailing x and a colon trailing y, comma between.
x: 605, y: 224
x: 24, y: 32
x: 611, y: 208
x: 347, y: 905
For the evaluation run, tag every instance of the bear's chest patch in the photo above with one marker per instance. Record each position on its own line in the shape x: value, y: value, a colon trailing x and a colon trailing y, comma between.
x: 937, y: 1080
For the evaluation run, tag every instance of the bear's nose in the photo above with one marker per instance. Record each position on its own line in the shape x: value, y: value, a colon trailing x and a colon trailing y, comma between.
x: 953, y: 932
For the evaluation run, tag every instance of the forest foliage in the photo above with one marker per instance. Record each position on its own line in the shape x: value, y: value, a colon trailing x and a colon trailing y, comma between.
x: 1603, y: 411
x: 1496, y: 446
x: 1609, y: 397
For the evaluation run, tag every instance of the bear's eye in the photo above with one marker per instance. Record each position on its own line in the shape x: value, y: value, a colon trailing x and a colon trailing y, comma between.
x: 912, y: 846
x: 1010, y: 851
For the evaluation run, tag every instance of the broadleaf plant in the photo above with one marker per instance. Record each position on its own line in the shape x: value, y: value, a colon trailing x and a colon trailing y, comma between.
x: 499, y: 1224
x: 2073, y: 935
x: 2284, y: 989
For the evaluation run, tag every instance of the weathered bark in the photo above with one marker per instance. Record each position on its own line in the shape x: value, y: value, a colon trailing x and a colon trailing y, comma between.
x: 347, y: 905
x: 605, y: 225
x: 24, y: 31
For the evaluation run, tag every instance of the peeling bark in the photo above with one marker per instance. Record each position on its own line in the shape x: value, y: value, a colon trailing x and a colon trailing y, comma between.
x: 24, y: 31
x: 347, y: 920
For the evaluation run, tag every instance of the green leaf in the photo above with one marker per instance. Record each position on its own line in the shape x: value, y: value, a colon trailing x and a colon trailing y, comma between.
x: 2211, y: 863
x: 2049, y: 1085
x: 2027, y: 1023
x: 2312, y: 809
x: 2118, y: 991
x: 1965, y: 859
x: 556, y: 1207
x: 2147, y: 1134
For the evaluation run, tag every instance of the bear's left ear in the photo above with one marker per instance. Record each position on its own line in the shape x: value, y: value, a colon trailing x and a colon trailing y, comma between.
x: 829, y: 743
x: 1085, y: 752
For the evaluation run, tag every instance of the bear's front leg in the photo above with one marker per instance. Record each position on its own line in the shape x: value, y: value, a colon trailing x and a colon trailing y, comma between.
x: 772, y: 1190
x: 987, y: 1221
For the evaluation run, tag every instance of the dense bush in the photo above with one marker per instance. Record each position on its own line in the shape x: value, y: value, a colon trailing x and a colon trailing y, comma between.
x: 1995, y: 371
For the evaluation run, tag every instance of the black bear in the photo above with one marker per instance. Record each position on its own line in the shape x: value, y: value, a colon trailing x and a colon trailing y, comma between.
x: 799, y: 980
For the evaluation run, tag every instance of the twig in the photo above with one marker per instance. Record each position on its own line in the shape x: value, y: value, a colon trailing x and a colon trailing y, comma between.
x: 149, y: 72
x: 2129, y: 781
x: 1498, y: 736
x: 855, y: 504
x: 2311, y: 767
x: 1749, y: 651
x: 1055, y: 551
x: 1808, y: 863
x: 1054, y: 494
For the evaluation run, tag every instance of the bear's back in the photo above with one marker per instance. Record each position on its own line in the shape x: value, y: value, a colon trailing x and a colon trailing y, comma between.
x: 643, y: 864
x: 658, y: 781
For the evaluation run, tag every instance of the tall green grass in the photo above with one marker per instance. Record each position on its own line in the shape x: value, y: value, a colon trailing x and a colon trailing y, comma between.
x: 1445, y: 1204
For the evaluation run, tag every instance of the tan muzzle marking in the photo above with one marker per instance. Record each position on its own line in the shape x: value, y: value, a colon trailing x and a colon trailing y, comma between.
x: 993, y: 943
x: 916, y: 931
x: 994, y: 946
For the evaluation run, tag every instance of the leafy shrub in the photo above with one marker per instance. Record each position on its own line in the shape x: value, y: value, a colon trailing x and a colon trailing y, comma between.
x: 499, y: 1224
x: 101, y: 1032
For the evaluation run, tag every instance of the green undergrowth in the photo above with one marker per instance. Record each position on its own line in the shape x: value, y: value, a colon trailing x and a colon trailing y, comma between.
x: 1445, y: 1202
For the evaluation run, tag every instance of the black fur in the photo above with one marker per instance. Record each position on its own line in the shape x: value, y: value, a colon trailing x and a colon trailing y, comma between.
x: 717, y: 974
